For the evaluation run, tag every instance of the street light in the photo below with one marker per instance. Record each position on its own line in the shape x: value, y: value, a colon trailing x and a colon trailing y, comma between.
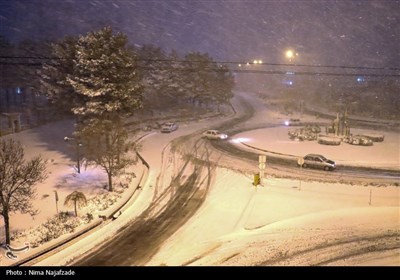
x: 290, y: 54
x: 78, y: 156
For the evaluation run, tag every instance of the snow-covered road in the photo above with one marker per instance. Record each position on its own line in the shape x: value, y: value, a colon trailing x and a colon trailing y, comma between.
x: 228, y: 221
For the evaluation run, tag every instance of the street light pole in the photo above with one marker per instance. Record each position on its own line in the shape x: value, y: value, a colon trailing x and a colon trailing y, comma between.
x: 78, y: 145
x: 56, y: 197
x: 78, y: 155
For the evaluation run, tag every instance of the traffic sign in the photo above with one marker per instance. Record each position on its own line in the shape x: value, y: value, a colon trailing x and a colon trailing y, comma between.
x: 300, y: 161
x: 262, y: 158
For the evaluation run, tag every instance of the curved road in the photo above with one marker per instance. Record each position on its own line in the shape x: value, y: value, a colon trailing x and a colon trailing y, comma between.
x: 278, y: 165
x: 138, y: 241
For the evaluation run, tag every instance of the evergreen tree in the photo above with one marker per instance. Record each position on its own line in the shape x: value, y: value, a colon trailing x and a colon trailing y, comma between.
x: 55, y: 72
x: 107, y: 84
x: 96, y: 77
x: 205, y: 81
x: 224, y: 83
x: 153, y: 62
x: 105, y: 76
x: 175, y: 78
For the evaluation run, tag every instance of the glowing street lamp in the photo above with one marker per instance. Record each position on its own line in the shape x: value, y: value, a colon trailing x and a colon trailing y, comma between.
x: 290, y: 54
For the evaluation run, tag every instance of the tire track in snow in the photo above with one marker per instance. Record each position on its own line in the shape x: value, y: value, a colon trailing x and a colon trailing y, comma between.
x: 328, y: 252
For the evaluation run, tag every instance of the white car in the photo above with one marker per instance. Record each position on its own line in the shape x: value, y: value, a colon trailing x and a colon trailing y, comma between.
x: 215, y: 135
x: 318, y: 161
x: 169, y: 127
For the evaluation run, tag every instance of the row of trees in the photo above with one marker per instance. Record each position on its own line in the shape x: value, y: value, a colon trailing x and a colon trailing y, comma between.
x: 101, y: 80
x: 194, y: 79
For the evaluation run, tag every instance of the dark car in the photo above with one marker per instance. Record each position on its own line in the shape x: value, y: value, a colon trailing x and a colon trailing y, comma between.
x: 318, y: 161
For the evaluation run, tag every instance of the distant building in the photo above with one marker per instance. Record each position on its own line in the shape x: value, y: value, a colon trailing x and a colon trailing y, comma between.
x: 21, y: 107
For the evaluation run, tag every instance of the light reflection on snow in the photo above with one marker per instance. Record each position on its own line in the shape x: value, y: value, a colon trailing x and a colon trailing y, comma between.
x: 91, y: 179
x: 240, y: 140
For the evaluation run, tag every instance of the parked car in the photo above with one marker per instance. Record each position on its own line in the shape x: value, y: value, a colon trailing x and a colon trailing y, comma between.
x: 214, y: 135
x: 318, y: 161
x: 169, y: 127
x: 358, y: 140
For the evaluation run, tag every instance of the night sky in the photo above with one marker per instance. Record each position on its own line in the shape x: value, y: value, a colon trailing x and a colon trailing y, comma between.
x: 360, y: 33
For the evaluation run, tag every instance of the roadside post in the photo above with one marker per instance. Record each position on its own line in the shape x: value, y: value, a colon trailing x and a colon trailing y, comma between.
x: 262, y: 159
x: 56, y: 197
x: 256, y: 180
x: 370, y: 196
x: 300, y: 161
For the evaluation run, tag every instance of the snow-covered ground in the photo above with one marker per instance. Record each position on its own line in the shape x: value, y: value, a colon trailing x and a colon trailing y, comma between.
x: 239, y: 224
x: 289, y: 222
x: 48, y: 141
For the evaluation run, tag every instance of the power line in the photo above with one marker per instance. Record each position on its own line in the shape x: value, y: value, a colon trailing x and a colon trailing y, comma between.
x: 245, y: 63
x: 245, y: 71
x: 22, y: 63
x: 309, y: 73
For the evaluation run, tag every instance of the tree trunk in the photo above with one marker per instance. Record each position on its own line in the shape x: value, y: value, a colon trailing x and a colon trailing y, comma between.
x: 110, y: 186
x: 233, y: 108
x: 76, y: 211
x: 6, y: 225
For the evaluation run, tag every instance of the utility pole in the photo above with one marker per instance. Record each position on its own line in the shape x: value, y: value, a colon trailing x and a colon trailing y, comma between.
x: 300, y: 161
x: 78, y: 154
x: 370, y: 197
x: 262, y: 160
x: 56, y: 197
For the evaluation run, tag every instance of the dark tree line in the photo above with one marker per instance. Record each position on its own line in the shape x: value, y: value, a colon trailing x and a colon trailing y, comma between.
x: 195, y: 79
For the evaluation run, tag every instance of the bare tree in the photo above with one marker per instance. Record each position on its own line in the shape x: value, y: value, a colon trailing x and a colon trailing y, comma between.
x: 77, y: 199
x: 17, y: 180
